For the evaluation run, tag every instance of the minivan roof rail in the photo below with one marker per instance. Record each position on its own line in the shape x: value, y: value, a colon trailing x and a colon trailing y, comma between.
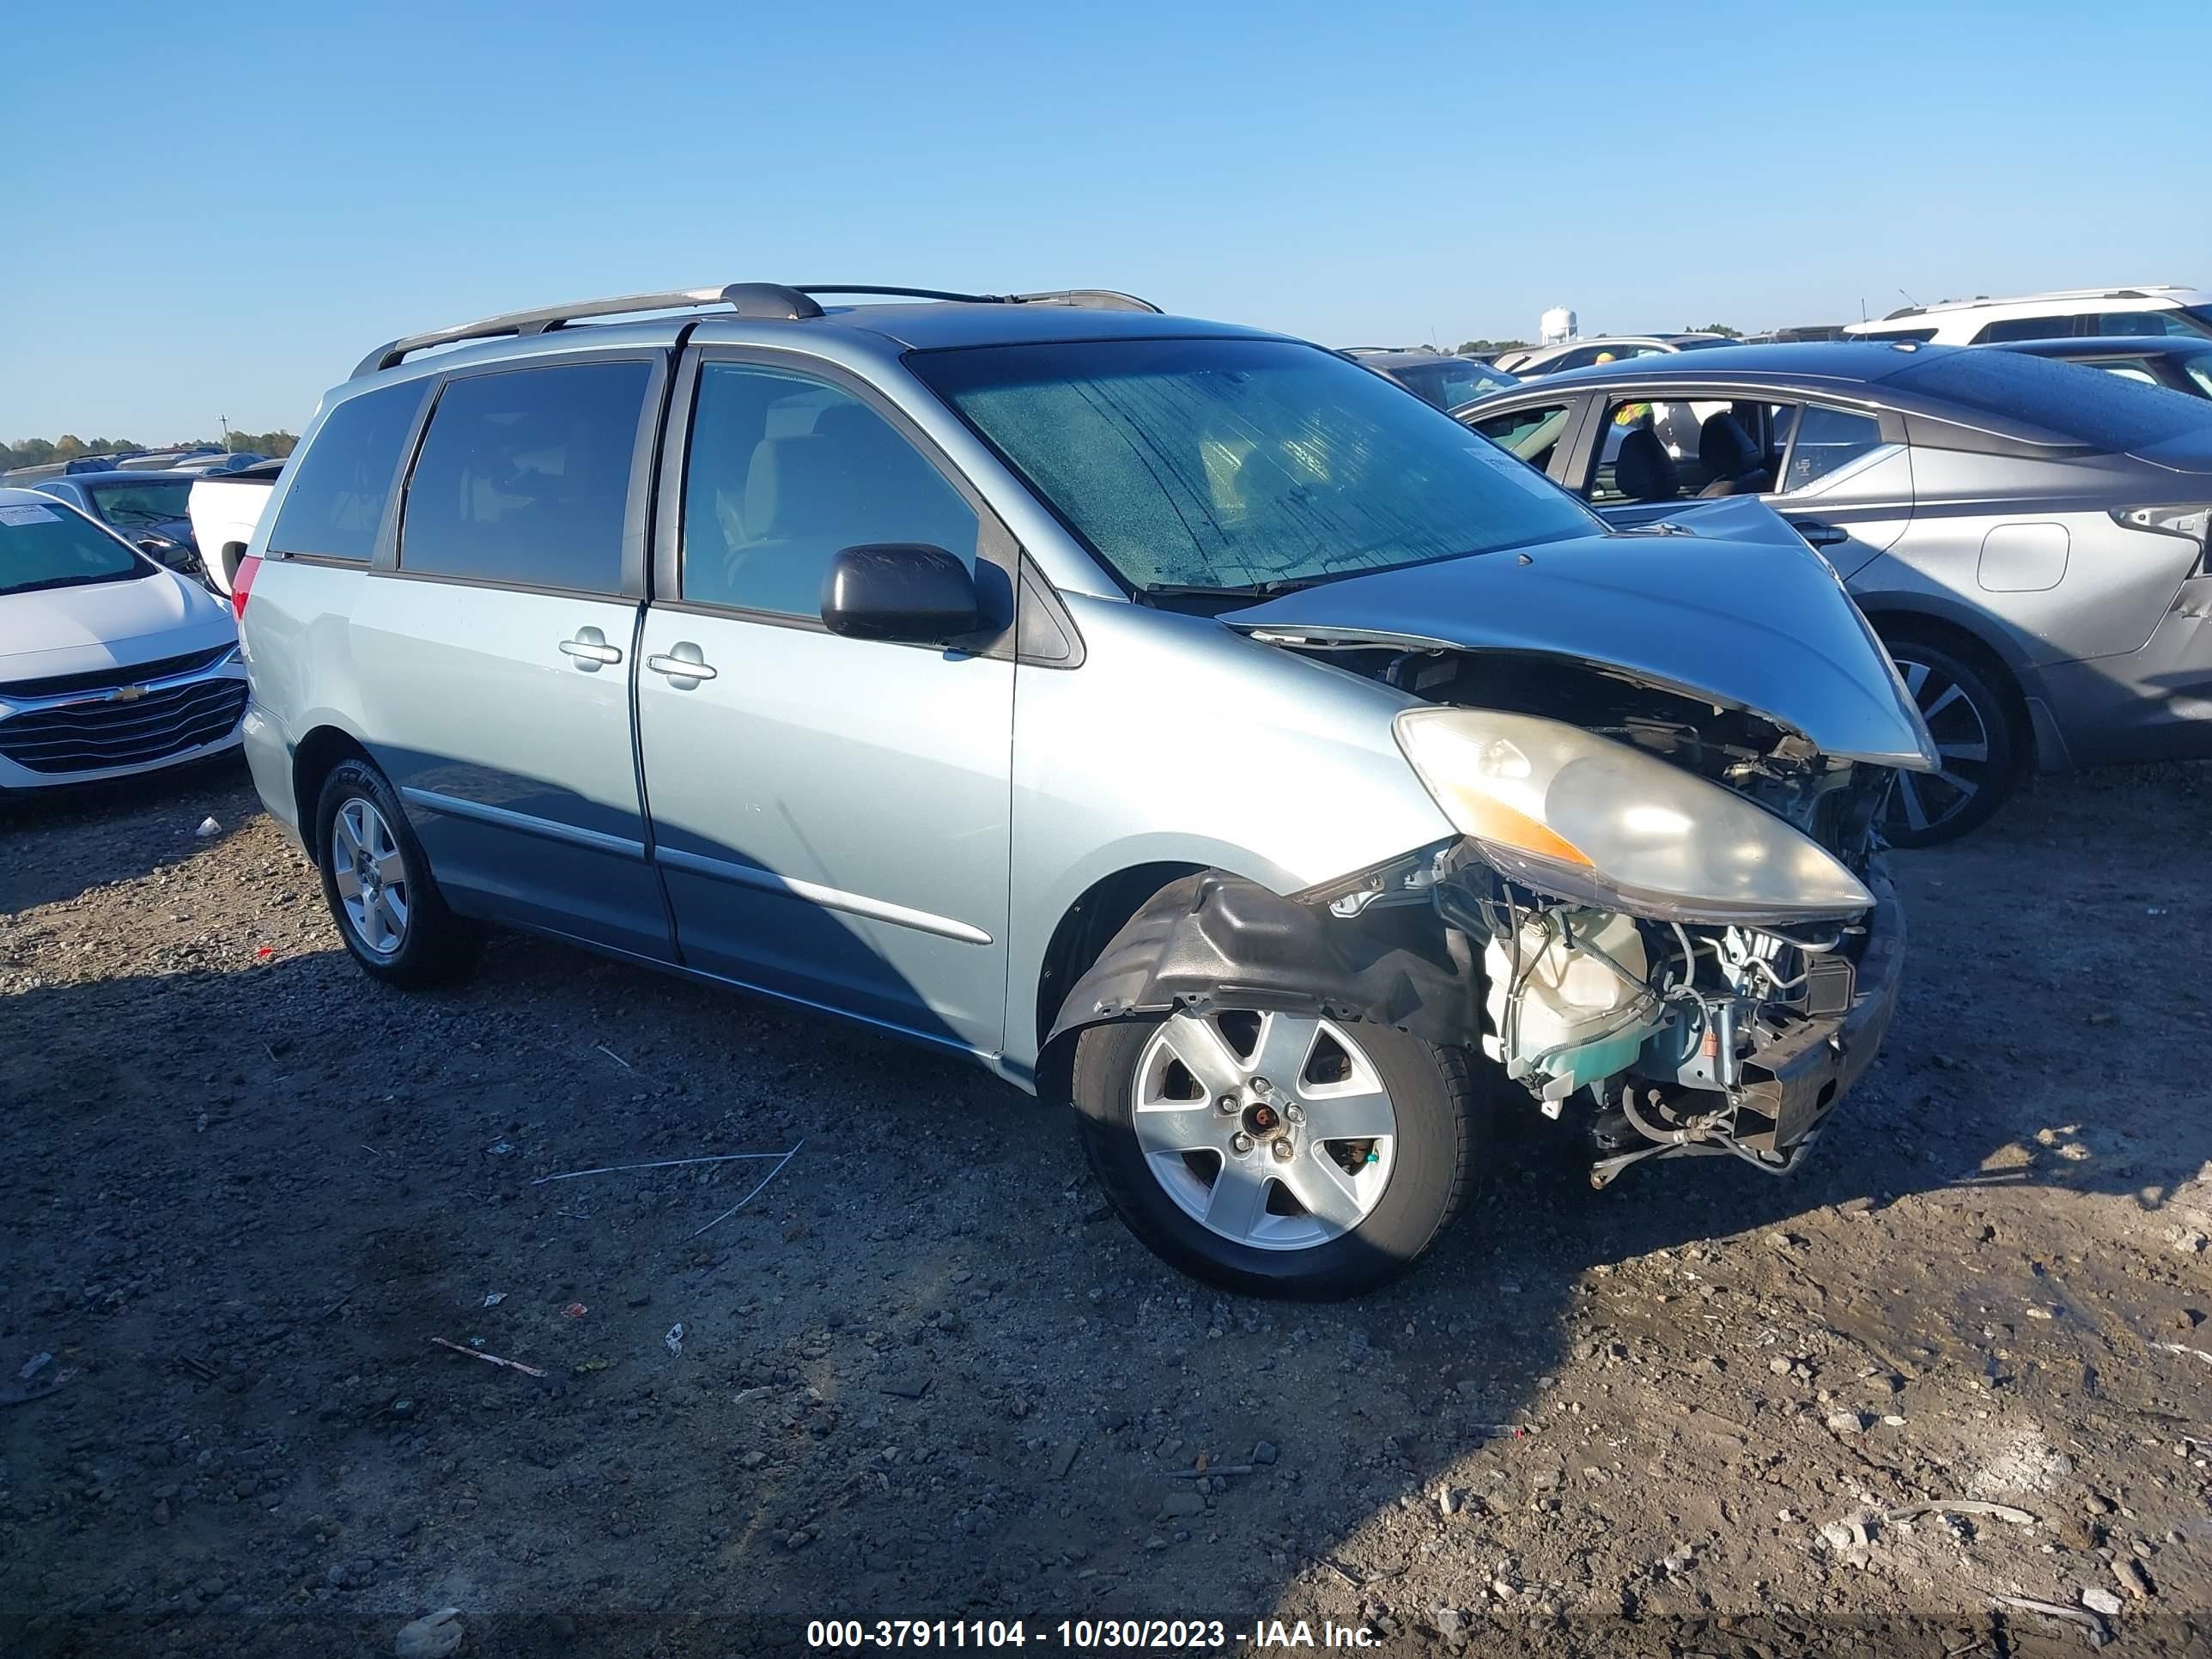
x: 771, y: 299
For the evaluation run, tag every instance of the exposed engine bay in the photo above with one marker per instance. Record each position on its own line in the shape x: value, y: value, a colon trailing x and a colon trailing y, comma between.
x: 1673, y: 1037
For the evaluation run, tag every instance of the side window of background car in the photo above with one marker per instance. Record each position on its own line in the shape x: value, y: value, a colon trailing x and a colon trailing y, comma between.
x: 1828, y: 439
x: 524, y: 477
x: 2026, y: 328
x: 783, y: 472
x: 1531, y: 434
x: 335, y: 500
x: 1665, y: 449
x: 2141, y: 322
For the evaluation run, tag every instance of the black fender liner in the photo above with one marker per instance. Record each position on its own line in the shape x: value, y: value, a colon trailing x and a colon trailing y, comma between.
x: 1213, y: 941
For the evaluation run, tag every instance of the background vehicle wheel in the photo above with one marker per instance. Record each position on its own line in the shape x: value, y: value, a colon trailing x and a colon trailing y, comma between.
x: 1278, y: 1154
x: 378, y: 885
x: 1976, y: 733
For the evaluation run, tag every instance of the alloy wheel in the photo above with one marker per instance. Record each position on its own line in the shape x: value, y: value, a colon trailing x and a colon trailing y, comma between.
x: 1271, y: 1130
x: 1921, y: 801
x: 371, y: 876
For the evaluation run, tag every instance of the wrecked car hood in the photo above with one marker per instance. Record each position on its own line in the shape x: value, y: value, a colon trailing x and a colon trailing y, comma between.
x: 1759, y: 623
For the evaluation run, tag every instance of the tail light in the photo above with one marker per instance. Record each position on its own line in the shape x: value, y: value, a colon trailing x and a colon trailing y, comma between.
x: 241, y: 584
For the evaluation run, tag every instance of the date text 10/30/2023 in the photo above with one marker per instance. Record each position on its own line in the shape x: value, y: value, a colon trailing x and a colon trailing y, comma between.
x: 1166, y: 1635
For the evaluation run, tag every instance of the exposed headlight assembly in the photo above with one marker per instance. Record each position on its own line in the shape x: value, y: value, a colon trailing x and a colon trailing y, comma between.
x: 1583, y: 817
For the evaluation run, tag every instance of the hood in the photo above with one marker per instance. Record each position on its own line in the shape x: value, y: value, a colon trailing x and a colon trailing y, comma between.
x: 82, y: 630
x: 1762, y: 625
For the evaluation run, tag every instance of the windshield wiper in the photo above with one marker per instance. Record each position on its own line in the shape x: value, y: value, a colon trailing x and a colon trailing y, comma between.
x: 1267, y: 590
x: 51, y: 582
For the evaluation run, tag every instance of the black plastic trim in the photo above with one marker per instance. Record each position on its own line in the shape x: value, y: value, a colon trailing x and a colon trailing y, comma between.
x: 1216, y: 941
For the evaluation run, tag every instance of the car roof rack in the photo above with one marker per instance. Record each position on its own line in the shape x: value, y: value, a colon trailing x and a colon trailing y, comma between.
x: 768, y: 300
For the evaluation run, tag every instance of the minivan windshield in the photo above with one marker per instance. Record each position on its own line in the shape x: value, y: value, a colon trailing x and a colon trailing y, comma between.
x: 1244, y: 463
x: 43, y: 547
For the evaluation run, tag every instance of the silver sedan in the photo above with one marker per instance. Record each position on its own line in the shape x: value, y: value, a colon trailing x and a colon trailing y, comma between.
x: 2028, y: 538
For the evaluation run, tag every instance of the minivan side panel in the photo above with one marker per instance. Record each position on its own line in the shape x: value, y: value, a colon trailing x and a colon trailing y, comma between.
x: 298, y: 651
x: 515, y: 761
x: 1180, y: 741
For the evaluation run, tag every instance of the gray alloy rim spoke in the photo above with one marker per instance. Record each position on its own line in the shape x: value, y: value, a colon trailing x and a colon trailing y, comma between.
x: 1951, y: 694
x: 1172, y: 1127
x: 1237, y: 1203
x: 1357, y: 1114
x: 1327, y: 1192
x: 1285, y: 1048
x: 371, y: 877
x: 1298, y: 1160
x: 1204, y: 1053
x: 1923, y: 800
x: 1908, y: 791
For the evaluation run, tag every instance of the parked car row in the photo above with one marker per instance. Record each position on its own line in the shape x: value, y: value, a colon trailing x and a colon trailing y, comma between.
x: 110, y: 665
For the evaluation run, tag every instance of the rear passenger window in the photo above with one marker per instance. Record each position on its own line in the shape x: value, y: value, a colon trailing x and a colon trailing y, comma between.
x: 339, y: 486
x: 1828, y: 439
x: 784, y: 472
x: 524, y: 477
x: 1531, y: 434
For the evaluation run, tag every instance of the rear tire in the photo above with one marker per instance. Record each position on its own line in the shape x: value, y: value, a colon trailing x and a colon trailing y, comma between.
x: 1977, y: 732
x: 1319, y: 1228
x: 379, y: 886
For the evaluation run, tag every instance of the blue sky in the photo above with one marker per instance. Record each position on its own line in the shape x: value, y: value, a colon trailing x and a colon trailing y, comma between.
x: 239, y: 210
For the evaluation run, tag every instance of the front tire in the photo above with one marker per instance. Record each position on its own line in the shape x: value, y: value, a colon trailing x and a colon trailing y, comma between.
x: 1978, y: 737
x: 379, y: 886
x: 1277, y: 1154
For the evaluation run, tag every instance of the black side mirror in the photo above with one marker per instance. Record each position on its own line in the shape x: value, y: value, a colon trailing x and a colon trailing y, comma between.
x: 175, y: 555
x: 899, y: 591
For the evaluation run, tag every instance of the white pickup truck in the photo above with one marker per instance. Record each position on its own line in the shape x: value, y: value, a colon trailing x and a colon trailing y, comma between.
x: 224, y: 507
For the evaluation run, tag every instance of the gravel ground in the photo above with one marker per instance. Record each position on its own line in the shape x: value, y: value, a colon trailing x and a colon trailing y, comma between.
x: 923, y: 1373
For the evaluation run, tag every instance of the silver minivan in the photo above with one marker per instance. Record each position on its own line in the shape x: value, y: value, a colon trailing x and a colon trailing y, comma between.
x: 1175, y: 717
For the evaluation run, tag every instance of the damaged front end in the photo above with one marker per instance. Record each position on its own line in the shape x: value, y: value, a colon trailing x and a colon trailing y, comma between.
x: 1665, y: 767
x: 1675, y: 907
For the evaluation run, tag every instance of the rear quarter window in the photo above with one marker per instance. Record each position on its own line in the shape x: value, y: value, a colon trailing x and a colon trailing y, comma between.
x: 2075, y: 403
x: 343, y: 479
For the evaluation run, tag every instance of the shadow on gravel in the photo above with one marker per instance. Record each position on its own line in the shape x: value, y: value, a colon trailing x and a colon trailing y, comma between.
x: 116, y: 831
x: 925, y: 1375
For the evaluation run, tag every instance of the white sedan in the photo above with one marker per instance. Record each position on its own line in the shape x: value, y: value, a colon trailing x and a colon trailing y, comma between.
x: 110, y: 664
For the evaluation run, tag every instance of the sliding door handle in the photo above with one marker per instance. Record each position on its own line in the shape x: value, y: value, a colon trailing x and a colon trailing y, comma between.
x: 590, y: 649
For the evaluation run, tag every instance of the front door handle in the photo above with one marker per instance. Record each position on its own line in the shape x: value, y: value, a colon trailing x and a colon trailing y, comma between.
x: 591, y: 650
x: 682, y: 664
x: 1820, y: 535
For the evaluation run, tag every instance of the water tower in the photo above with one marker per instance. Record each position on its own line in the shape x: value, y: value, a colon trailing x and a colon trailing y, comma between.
x: 1556, y: 326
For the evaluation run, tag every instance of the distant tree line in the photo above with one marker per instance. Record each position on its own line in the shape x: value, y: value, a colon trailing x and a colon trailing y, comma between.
x: 38, y: 451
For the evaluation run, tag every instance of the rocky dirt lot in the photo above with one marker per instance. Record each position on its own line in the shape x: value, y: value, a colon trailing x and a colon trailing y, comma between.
x: 923, y: 1373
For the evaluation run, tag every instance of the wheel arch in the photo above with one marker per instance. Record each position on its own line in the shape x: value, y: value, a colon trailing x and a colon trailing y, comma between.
x: 313, y: 758
x: 1947, y: 631
x: 1208, y: 937
x: 1078, y: 940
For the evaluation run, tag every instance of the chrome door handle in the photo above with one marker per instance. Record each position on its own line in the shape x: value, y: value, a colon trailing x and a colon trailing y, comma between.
x: 679, y: 666
x: 590, y: 649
